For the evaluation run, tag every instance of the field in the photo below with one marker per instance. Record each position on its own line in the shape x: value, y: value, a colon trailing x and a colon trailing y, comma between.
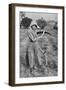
x: 49, y: 41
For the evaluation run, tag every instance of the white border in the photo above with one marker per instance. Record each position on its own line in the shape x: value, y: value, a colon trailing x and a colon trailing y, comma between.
x: 38, y: 79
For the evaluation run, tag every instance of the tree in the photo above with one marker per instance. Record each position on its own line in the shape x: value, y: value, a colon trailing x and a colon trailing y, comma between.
x: 26, y: 22
x: 22, y: 14
x: 41, y: 23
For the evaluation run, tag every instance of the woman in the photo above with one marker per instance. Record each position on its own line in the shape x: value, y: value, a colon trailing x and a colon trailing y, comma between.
x: 33, y: 53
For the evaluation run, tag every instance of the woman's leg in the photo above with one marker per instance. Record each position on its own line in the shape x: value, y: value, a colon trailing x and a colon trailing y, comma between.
x: 31, y: 57
x: 38, y: 53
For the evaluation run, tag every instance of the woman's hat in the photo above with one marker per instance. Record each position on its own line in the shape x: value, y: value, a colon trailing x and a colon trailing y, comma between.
x: 34, y: 23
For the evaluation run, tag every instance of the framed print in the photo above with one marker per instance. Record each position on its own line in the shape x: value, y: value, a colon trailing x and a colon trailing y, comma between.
x: 36, y: 44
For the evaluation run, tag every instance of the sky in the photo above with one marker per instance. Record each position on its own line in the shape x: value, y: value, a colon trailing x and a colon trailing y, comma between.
x: 46, y: 16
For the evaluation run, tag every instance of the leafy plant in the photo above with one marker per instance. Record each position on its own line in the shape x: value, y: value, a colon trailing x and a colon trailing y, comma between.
x: 41, y: 23
x: 26, y: 22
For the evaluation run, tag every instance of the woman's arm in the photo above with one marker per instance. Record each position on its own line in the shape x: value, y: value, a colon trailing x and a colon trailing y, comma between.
x: 31, y: 36
x: 38, y: 37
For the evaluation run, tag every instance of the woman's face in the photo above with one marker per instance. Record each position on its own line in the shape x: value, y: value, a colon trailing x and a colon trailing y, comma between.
x: 34, y: 27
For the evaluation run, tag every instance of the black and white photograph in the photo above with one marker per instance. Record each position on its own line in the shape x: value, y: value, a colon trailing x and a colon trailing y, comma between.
x: 38, y: 44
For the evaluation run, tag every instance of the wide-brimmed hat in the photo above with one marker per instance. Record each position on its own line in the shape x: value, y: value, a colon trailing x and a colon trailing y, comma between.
x: 34, y: 23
